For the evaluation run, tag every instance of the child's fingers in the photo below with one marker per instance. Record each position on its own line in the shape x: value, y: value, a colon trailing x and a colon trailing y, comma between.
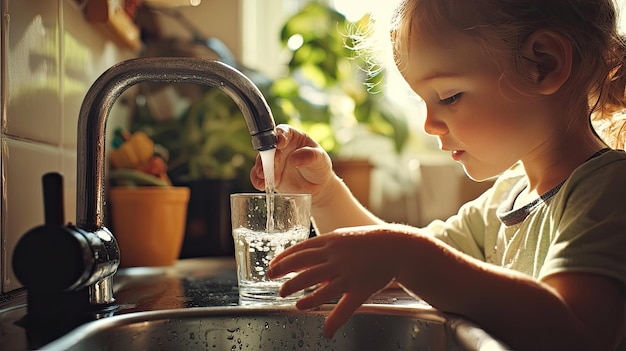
x: 307, y: 278
x: 295, y: 262
x: 346, y: 306
x: 257, y: 178
x: 282, y: 134
x: 301, y: 157
x: 312, y: 243
x: 321, y: 295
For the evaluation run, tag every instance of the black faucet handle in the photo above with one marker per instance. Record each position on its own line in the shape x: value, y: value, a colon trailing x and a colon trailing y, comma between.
x: 50, y: 257
x: 53, y: 199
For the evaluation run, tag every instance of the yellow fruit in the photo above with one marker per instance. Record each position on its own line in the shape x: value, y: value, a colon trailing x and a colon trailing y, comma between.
x: 133, y: 153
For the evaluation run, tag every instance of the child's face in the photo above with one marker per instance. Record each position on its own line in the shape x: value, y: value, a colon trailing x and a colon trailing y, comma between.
x: 474, y: 111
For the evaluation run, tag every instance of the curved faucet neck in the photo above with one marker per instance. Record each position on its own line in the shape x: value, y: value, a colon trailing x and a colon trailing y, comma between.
x: 112, y: 83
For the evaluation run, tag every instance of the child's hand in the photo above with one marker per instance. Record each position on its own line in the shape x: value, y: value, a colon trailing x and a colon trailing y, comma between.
x: 301, y: 165
x: 353, y: 263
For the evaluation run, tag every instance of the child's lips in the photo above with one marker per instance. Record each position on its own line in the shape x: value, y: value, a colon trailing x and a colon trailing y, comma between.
x: 457, y: 154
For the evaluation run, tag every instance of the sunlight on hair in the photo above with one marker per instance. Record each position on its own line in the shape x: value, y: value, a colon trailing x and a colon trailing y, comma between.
x: 380, y: 46
x: 380, y: 11
x: 376, y: 42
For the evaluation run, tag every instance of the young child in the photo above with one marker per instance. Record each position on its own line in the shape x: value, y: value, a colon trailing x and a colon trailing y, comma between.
x: 539, y: 260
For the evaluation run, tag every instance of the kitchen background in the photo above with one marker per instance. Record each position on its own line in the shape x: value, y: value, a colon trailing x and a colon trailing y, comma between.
x: 53, y: 50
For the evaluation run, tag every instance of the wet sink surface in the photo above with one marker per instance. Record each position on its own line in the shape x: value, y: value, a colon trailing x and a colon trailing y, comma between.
x: 249, y: 328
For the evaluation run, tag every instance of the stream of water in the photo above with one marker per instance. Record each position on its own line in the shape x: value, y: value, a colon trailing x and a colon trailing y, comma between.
x: 267, y: 158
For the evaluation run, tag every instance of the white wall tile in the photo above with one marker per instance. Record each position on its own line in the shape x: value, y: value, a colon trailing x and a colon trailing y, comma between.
x: 33, y: 82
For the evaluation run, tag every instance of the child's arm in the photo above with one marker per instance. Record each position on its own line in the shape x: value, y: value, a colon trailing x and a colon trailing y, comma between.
x: 564, y: 312
x: 529, y: 315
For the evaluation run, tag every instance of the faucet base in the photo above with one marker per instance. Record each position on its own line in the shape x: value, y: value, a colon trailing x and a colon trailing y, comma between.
x: 51, y: 315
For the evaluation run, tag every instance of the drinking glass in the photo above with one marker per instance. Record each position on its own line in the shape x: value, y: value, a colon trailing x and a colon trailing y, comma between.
x: 263, y: 226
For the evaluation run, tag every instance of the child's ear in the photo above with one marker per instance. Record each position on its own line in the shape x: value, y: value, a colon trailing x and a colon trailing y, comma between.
x: 549, y: 56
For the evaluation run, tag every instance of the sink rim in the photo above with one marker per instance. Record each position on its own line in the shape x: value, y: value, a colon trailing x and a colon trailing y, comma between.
x: 74, y: 337
x: 467, y: 334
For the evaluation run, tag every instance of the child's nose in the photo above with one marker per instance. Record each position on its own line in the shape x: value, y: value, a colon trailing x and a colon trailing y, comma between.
x: 434, y: 126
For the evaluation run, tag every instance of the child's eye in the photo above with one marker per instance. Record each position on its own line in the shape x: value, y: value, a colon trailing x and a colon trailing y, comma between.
x: 451, y: 100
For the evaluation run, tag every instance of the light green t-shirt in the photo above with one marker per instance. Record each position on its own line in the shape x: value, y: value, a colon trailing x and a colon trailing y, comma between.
x: 580, y: 226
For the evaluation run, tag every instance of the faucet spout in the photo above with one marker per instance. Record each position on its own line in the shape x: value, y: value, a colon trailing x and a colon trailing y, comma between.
x: 112, y: 83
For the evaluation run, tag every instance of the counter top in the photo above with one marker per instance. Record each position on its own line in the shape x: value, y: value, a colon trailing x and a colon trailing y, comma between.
x: 199, y: 283
x: 190, y: 283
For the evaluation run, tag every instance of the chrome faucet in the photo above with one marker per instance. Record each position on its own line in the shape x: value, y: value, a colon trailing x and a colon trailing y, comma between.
x: 104, y: 92
x: 112, y: 83
x: 92, y: 253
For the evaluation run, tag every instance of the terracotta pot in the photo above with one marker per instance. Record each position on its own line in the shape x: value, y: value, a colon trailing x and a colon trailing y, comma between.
x: 357, y: 174
x: 149, y: 224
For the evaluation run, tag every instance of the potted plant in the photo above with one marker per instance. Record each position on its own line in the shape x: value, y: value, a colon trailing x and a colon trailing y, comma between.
x: 210, y: 151
x: 148, y: 214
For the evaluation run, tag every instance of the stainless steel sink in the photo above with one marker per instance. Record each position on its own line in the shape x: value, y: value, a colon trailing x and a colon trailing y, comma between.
x: 256, y: 329
x: 374, y: 327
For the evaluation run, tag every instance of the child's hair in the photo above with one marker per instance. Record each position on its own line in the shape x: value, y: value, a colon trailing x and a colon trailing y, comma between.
x: 598, y: 77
